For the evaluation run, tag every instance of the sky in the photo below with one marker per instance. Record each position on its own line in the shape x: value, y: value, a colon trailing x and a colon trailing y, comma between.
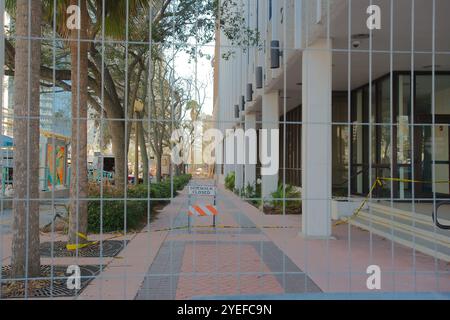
x: 205, y: 74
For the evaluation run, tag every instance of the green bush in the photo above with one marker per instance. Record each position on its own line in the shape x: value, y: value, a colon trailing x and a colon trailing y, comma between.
x: 284, y: 194
x: 136, y: 210
x: 114, y: 213
x: 230, y: 181
x: 253, y: 194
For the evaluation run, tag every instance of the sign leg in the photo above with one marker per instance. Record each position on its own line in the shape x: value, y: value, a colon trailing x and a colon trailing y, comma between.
x: 189, y: 216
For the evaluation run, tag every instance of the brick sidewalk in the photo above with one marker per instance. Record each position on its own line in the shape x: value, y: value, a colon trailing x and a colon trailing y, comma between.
x: 233, y: 261
x: 163, y: 262
x: 249, y: 260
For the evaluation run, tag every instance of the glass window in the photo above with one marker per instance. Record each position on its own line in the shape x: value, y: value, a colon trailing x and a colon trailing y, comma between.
x: 385, y: 101
x: 404, y: 120
x: 404, y: 98
x: 424, y: 92
x: 442, y: 94
x: 423, y: 97
x: 385, y: 147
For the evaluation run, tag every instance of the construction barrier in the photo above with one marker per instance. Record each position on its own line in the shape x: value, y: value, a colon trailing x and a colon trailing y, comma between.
x: 202, y: 210
x: 222, y: 227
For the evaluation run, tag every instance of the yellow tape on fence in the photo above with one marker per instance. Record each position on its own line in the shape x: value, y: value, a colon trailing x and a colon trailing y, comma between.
x: 222, y: 227
x: 73, y: 247
x: 379, y: 182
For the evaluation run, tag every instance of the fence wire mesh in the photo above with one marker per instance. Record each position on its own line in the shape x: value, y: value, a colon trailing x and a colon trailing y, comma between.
x: 313, y: 133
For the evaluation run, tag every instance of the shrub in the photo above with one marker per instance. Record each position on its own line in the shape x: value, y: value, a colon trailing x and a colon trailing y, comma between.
x: 114, y: 214
x: 230, y: 181
x: 136, y: 210
x: 284, y: 194
x: 114, y: 210
x: 253, y: 195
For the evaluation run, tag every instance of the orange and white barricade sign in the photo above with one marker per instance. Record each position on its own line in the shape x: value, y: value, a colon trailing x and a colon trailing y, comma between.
x: 203, y: 211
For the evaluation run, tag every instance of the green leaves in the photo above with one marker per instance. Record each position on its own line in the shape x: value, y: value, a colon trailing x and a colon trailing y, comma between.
x: 236, y: 27
x: 284, y: 194
x: 109, y: 212
x: 230, y: 181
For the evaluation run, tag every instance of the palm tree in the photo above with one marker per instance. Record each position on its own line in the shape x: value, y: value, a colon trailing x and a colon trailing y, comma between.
x: 25, y: 259
x: 79, y: 88
x: 78, y: 217
x: 80, y: 45
x: 115, y: 21
x: 91, y: 24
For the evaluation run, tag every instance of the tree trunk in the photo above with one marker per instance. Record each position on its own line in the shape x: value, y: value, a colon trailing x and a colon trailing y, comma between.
x: 144, y: 154
x: 78, y: 217
x: 25, y: 226
x: 136, y: 152
x: 119, y: 150
x: 159, y: 167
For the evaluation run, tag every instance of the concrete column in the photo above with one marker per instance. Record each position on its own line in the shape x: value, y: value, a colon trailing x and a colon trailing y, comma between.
x: 250, y: 169
x: 228, y: 167
x: 239, y: 182
x: 275, y: 20
x: 298, y: 24
x: 270, y: 121
x: 316, y: 140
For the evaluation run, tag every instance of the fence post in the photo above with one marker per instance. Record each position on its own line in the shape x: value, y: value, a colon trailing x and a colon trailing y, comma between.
x: 4, y: 175
x: 189, y: 216
x: 215, y: 203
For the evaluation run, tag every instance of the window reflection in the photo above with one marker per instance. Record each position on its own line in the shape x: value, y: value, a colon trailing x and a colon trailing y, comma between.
x: 411, y: 156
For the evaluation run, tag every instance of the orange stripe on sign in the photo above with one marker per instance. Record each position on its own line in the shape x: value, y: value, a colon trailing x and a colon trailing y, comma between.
x: 213, y: 210
x: 200, y: 211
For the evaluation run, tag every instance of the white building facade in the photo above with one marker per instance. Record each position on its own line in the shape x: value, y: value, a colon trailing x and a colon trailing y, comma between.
x: 358, y: 90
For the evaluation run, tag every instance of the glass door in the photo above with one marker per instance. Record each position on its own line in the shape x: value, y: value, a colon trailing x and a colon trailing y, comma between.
x: 441, y: 161
x: 426, y: 163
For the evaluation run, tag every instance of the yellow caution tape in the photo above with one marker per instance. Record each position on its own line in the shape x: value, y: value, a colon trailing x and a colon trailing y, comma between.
x: 414, y: 181
x: 222, y: 227
x: 379, y: 182
x: 73, y: 247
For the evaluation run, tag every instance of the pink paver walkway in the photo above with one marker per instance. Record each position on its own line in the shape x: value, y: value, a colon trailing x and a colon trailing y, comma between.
x: 223, y: 272
x: 166, y: 263
x: 340, y: 265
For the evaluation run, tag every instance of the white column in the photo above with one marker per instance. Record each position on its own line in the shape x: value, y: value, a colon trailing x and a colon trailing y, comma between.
x: 316, y: 140
x: 275, y: 20
x: 229, y: 160
x: 298, y: 24
x: 239, y: 182
x: 250, y: 169
x: 270, y: 121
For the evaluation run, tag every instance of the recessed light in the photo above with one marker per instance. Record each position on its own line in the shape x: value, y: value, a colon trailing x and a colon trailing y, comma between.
x: 360, y: 36
x: 430, y: 66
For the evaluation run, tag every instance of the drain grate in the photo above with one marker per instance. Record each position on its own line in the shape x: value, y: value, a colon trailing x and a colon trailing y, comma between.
x: 45, y: 287
x: 111, y: 248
